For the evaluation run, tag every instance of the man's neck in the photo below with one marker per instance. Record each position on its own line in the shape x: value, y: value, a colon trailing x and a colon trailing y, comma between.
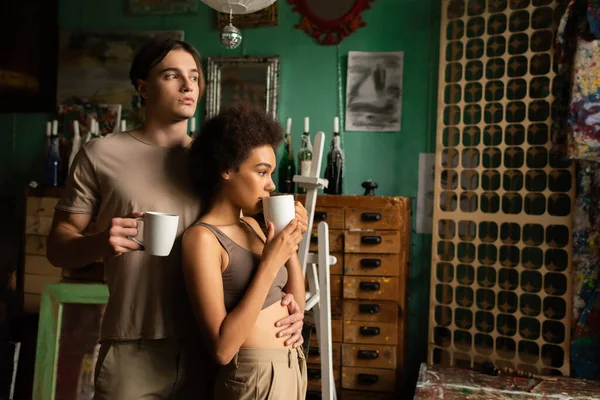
x: 164, y: 135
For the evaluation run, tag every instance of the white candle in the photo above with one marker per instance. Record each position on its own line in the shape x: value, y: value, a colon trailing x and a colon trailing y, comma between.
x: 193, y: 124
x: 48, y: 128
x: 123, y: 125
x: 93, y: 127
x: 305, y: 124
x: 55, y: 127
x: 336, y: 125
x: 288, y: 128
x: 76, y: 128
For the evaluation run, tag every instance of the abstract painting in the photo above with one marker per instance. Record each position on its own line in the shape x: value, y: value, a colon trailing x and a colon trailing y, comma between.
x: 94, y: 69
x: 374, y: 91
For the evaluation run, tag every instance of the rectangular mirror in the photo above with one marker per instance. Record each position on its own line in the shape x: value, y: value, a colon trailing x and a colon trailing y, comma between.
x: 254, y: 79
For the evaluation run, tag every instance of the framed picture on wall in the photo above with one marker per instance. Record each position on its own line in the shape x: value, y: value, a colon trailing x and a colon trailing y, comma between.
x: 93, y: 68
x: 265, y: 17
x: 28, y: 63
x: 67, y: 342
x: 163, y: 7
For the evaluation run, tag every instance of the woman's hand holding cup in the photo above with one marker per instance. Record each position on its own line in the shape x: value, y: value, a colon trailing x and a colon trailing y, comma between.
x: 279, y: 248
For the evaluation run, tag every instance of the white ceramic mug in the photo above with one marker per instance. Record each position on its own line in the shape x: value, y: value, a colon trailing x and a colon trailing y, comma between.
x: 279, y: 210
x: 160, y: 230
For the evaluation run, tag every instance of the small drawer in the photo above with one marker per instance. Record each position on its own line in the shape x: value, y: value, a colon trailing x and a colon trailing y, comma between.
x: 359, y: 287
x: 35, y: 245
x: 336, y: 241
x: 35, y: 225
x: 387, y: 242
x: 377, y: 380
x: 370, y: 333
x: 372, y: 218
x: 336, y: 308
x: 336, y: 332
x: 338, y: 267
x: 372, y: 264
x: 39, y: 265
x: 313, y: 374
x: 334, y: 216
x: 336, y: 286
x: 41, y: 206
x: 314, y: 355
x: 368, y: 356
x: 371, y: 311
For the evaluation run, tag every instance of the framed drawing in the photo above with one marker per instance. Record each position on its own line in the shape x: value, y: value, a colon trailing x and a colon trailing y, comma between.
x: 93, y: 67
x: 374, y: 91
x: 163, y: 7
x: 67, y: 342
x: 265, y: 17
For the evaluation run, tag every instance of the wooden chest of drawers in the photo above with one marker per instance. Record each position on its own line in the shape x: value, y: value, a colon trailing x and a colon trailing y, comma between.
x: 370, y: 237
x: 37, y: 270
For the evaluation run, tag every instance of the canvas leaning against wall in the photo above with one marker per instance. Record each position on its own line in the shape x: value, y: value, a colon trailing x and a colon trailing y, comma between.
x: 93, y: 67
x: 374, y: 91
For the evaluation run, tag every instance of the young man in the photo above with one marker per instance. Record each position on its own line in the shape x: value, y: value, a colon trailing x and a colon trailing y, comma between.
x: 150, y: 347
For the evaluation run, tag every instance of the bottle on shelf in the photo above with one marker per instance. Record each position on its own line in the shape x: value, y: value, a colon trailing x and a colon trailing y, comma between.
x: 305, y: 154
x: 287, y: 166
x: 334, y: 172
x: 53, y: 159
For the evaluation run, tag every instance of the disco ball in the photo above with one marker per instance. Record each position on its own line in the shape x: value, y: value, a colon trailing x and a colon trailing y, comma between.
x: 231, y: 37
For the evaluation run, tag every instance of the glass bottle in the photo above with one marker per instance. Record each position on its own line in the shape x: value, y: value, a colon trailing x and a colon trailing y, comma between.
x: 53, y: 163
x: 334, y: 172
x: 287, y: 166
x: 305, y: 154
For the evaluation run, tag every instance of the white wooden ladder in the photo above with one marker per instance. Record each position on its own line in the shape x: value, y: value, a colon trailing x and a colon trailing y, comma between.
x: 319, y: 285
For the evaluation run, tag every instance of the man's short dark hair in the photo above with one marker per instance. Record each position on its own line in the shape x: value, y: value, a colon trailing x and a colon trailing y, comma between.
x: 153, y: 52
x: 225, y: 142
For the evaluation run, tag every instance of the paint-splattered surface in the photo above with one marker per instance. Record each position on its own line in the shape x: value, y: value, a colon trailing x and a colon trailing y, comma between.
x: 454, y: 384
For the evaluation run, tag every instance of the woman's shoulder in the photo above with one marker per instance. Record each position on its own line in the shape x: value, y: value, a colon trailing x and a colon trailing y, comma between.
x: 198, y: 234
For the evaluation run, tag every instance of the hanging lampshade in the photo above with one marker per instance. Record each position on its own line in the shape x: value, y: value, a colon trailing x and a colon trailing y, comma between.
x: 238, y: 6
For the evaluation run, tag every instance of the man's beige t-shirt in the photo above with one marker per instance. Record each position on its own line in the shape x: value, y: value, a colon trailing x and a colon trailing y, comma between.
x: 112, y: 177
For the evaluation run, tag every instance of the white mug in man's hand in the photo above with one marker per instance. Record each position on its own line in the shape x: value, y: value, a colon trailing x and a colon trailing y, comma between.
x: 279, y: 210
x: 160, y: 230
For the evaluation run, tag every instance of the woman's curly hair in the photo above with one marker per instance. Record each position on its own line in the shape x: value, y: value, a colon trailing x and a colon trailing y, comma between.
x: 225, y: 142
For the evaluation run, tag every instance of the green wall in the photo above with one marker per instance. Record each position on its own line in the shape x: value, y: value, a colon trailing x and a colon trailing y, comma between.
x: 309, y: 87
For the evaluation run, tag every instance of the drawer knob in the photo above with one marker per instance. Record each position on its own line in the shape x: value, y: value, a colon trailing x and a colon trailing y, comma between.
x: 370, y: 331
x: 314, y: 351
x: 370, y: 217
x: 370, y: 240
x: 370, y: 262
x: 368, y: 354
x: 320, y: 216
x: 369, y: 379
x: 313, y: 373
x: 368, y: 308
x: 370, y: 286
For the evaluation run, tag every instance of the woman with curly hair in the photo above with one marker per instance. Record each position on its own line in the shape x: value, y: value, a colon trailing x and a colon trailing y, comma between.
x: 235, y: 276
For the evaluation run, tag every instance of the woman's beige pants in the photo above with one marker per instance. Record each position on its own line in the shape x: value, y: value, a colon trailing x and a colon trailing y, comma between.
x: 263, y: 374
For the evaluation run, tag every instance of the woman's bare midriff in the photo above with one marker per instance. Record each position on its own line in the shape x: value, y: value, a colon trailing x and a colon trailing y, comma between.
x: 264, y: 333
